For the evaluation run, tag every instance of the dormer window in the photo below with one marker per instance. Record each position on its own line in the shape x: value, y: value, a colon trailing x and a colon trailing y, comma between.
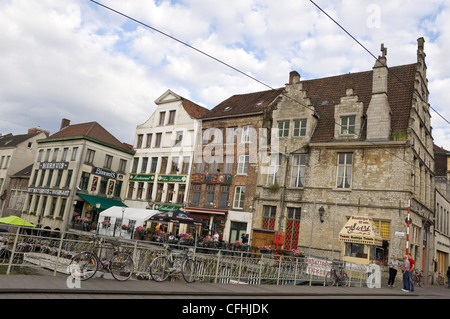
x: 347, y: 125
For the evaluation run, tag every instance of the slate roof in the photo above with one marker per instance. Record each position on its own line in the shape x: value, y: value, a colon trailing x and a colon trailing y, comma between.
x: 26, y: 172
x: 331, y: 89
x: 244, y: 104
x: 440, y: 160
x: 10, y: 140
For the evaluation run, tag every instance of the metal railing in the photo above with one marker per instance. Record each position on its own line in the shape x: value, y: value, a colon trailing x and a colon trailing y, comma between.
x: 38, y: 248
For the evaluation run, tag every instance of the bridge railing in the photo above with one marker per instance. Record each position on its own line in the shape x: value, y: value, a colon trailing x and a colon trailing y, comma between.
x: 27, y: 248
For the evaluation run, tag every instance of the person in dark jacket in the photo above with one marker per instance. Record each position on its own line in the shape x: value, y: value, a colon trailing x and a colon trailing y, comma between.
x: 448, y: 277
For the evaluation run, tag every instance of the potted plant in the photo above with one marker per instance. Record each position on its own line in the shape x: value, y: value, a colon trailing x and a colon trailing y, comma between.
x: 140, y: 230
x: 126, y: 227
x: 106, y: 223
x: 159, y: 235
x: 207, y: 241
x: 274, y: 187
x: 187, y: 239
x: 265, y: 249
x: 237, y: 245
x: 297, y: 253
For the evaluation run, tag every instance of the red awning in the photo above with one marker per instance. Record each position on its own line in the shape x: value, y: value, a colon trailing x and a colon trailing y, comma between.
x: 205, y: 211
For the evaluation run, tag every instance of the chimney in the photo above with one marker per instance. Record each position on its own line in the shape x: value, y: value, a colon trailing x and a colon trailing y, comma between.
x: 294, y: 77
x: 64, y: 123
x: 379, y: 110
x: 35, y: 130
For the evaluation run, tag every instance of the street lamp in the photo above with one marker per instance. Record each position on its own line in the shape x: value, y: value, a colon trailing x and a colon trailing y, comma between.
x: 321, y: 213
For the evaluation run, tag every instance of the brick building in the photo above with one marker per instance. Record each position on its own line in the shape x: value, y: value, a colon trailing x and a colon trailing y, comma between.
x: 226, y: 166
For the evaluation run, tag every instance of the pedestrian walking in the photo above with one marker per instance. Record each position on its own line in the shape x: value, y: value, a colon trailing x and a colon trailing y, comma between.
x: 393, y: 268
x: 411, y: 272
x: 448, y: 277
x: 405, y: 270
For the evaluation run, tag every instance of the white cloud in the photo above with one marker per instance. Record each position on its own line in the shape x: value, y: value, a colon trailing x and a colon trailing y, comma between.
x: 78, y: 60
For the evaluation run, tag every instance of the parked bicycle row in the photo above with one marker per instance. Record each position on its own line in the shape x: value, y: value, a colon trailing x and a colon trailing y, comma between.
x: 84, y: 256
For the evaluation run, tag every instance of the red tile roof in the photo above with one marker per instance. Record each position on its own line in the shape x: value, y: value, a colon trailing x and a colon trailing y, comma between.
x: 92, y: 130
x: 194, y: 110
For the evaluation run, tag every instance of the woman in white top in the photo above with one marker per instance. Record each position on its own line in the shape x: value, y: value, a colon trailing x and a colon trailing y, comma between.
x: 393, y: 266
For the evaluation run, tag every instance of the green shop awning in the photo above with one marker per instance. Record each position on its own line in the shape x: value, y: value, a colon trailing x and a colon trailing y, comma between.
x: 104, y: 203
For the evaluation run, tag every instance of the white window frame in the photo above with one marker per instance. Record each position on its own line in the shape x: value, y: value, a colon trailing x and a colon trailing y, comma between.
x: 344, y: 170
x: 243, y: 164
x: 298, y: 170
x: 239, y: 197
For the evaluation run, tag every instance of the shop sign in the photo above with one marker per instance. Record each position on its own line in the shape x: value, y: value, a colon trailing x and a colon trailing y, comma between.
x: 172, y: 178
x: 166, y: 208
x: 211, y: 178
x: 49, y: 191
x: 103, y: 172
x: 54, y: 165
x: 142, y: 177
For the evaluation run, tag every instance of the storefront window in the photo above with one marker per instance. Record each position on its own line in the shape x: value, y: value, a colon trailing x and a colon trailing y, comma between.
x: 355, y: 250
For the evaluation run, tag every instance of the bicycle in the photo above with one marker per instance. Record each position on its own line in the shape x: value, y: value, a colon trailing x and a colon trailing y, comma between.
x: 163, y: 266
x: 336, y: 277
x: 440, y: 279
x: 418, y: 278
x: 86, y: 264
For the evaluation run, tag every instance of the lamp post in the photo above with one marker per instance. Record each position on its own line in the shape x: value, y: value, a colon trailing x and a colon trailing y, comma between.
x: 321, y: 213
x: 120, y: 230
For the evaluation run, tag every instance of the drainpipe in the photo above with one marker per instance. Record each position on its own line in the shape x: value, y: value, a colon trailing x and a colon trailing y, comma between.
x: 283, y: 194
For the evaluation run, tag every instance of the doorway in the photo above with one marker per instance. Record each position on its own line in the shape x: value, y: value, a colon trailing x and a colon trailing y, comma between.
x: 236, y: 231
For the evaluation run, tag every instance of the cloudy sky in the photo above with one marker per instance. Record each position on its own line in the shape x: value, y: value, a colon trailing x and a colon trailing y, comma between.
x: 75, y: 59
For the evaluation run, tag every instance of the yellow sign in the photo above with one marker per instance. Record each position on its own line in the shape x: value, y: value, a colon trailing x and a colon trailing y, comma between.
x: 360, y: 230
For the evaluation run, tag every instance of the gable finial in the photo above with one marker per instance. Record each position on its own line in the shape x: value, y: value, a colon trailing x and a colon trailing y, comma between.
x: 383, y: 50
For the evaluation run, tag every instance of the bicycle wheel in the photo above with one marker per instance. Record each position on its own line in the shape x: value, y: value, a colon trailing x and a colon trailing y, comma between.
x: 416, y: 279
x: 330, y: 279
x: 189, y: 270
x: 159, y: 269
x: 121, y: 266
x: 83, y: 266
x: 343, y: 281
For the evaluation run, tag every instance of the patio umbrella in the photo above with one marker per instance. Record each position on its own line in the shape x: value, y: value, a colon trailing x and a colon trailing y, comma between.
x: 15, y: 220
x: 176, y: 216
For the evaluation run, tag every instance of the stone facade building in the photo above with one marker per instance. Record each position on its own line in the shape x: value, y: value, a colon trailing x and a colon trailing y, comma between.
x: 353, y: 144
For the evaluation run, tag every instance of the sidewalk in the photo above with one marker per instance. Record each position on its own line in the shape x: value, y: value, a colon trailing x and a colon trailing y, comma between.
x: 23, y: 286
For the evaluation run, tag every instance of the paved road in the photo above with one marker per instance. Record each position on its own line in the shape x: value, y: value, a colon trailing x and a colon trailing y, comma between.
x: 29, y: 286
